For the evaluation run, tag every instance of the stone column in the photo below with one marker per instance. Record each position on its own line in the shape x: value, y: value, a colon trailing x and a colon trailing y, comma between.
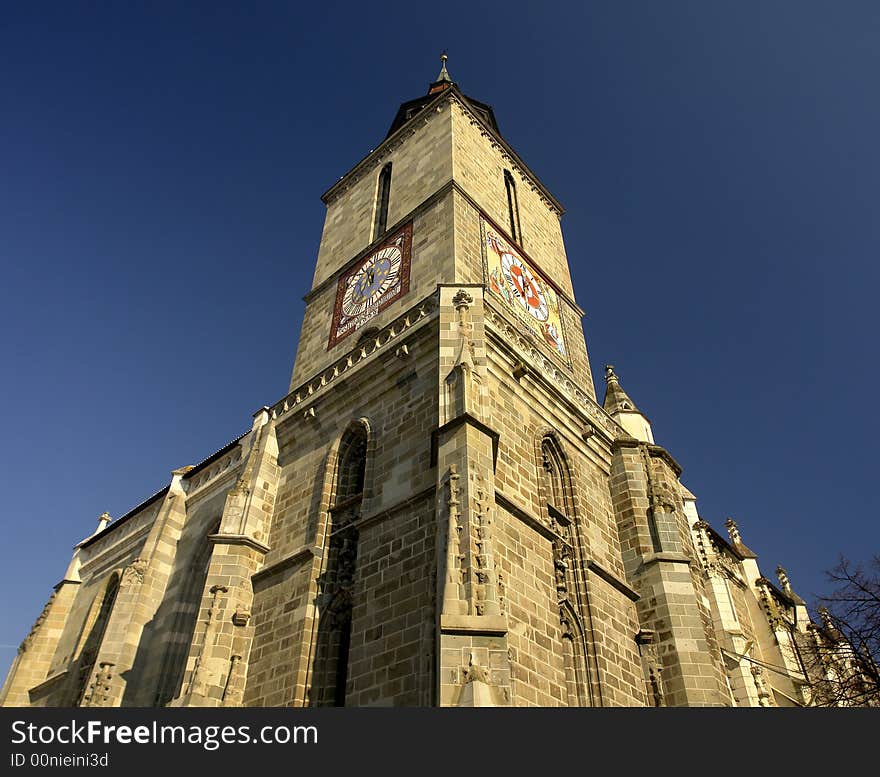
x: 218, y: 659
x: 141, y: 591
x: 473, y: 668
x: 658, y: 553
x: 34, y: 658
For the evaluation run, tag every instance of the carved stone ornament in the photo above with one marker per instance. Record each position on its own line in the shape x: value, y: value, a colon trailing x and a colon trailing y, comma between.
x: 99, y: 691
x: 241, y: 616
x: 664, y: 500
x: 784, y: 581
x: 474, y: 672
x: 761, y: 686
x: 134, y: 572
x: 462, y: 299
x: 26, y: 643
x: 733, y: 531
x: 565, y: 624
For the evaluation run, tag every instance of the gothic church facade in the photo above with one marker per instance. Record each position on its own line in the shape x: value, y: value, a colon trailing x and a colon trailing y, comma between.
x: 440, y: 512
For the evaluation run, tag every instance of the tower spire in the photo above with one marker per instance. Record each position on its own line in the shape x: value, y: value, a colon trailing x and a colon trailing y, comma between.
x: 444, y: 73
x: 616, y: 398
x: 623, y: 410
x: 444, y: 81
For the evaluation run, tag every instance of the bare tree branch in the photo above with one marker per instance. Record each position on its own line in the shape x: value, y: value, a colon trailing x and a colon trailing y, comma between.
x: 843, y: 668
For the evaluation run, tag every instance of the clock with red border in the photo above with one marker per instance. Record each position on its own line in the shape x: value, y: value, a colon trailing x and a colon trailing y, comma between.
x: 372, y: 284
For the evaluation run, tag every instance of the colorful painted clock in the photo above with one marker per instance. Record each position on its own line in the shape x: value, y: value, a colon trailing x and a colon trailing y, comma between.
x: 372, y: 284
x: 521, y: 287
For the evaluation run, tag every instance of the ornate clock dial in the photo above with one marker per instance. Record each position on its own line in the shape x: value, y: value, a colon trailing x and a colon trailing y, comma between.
x: 374, y: 277
x: 512, y: 279
x: 528, y: 291
x: 372, y: 284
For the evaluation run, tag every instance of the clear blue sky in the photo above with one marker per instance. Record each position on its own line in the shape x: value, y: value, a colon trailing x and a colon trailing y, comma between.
x: 160, y: 173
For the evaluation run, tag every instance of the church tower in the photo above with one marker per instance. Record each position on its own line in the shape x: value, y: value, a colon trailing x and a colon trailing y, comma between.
x: 439, y: 512
x: 442, y: 368
x: 476, y: 561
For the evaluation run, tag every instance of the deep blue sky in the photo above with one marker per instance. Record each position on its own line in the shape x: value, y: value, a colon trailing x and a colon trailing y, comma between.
x: 160, y: 173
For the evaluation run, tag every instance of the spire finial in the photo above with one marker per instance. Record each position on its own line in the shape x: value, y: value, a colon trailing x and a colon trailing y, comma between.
x: 827, y: 619
x: 610, y: 374
x: 103, y: 519
x: 733, y: 531
x: 444, y: 73
x: 784, y: 581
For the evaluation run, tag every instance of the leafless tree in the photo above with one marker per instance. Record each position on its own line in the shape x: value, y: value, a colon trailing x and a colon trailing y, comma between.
x: 845, y: 650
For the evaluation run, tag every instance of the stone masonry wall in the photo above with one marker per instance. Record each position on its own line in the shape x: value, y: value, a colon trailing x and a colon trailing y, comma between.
x: 394, y: 390
x: 522, y: 411
x: 421, y: 158
x: 432, y: 253
x: 479, y: 171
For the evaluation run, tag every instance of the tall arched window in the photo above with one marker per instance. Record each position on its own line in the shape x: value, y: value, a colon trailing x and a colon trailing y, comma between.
x: 512, y: 207
x: 351, y: 468
x: 330, y: 673
x: 557, y: 480
x: 560, y: 506
x: 382, y: 194
x: 92, y: 636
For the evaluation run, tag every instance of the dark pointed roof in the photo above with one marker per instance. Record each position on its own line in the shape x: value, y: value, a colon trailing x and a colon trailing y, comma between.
x: 616, y: 399
x: 444, y: 73
x: 444, y: 81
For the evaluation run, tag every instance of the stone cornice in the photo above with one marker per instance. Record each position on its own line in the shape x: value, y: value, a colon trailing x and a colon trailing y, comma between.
x: 217, y: 483
x: 658, y: 452
x: 119, y: 554
x: 458, y: 188
x: 406, y: 323
x: 655, y: 451
x: 543, y: 371
x: 532, y: 521
x: 451, y: 185
x: 333, y: 278
x: 613, y: 580
x: 388, y: 512
x: 48, y: 682
x: 120, y: 521
x: 226, y: 449
x: 464, y: 418
x: 65, y: 581
x: 297, y: 557
x: 521, y: 167
x: 667, y: 556
x: 625, y: 441
x: 239, y: 539
x: 451, y: 95
x: 378, y: 154
x: 473, y: 624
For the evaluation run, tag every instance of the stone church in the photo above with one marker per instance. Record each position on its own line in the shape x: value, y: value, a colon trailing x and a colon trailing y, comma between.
x: 440, y: 512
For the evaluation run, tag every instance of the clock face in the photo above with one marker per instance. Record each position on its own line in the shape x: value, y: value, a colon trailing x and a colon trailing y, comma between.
x: 372, y: 284
x: 513, y: 280
x: 379, y: 273
x: 528, y: 291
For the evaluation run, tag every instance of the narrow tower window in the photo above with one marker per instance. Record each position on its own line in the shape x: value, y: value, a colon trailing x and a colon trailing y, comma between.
x: 512, y: 207
x: 382, y: 194
x: 556, y: 477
